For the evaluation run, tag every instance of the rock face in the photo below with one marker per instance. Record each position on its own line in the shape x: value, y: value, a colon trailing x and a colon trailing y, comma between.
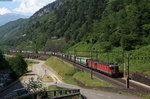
x: 50, y: 7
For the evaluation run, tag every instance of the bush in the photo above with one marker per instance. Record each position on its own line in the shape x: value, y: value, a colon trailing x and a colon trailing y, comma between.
x: 18, y: 65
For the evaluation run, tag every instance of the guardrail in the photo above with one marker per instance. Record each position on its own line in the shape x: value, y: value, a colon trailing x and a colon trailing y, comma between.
x: 52, y: 94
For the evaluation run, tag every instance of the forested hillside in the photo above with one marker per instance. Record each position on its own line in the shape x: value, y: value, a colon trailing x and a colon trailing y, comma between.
x: 10, y: 29
x: 105, y: 24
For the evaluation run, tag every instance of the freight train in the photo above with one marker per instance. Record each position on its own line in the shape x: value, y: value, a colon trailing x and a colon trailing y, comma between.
x: 103, y: 67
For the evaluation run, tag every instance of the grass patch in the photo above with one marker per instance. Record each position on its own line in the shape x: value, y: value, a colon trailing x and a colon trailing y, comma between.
x: 53, y: 87
x: 47, y: 79
x: 69, y: 74
x: 62, y: 69
x: 143, y: 96
x: 147, y: 73
x: 85, y: 78
x: 138, y: 95
x: 146, y: 96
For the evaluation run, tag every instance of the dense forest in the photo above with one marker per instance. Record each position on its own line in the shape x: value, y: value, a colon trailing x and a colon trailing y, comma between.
x: 106, y: 23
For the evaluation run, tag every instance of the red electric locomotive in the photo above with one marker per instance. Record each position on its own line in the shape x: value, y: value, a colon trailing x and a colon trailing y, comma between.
x: 104, y: 67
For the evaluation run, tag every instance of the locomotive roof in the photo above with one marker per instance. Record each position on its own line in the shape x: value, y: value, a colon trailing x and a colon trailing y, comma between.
x: 104, y: 63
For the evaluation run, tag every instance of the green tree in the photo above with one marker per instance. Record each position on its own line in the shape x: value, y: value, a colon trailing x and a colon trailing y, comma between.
x: 18, y: 65
x: 115, y: 39
x: 128, y: 42
x: 3, y: 63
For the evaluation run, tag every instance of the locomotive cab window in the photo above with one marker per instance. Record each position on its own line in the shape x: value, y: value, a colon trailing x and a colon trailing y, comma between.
x: 112, y: 68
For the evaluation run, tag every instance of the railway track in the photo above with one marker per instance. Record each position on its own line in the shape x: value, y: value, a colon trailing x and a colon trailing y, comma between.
x: 118, y: 82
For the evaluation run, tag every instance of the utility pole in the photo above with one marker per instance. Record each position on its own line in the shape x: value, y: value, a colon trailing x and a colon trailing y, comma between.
x: 91, y: 74
x: 91, y: 54
x: 96, y: 55
x: 108, y: 57
x: 124, y: 65
x: 91, y: 70
x: 127, y: 80
x: 74, y: 56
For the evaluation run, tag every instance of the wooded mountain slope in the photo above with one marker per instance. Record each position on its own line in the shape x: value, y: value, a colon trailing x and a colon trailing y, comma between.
x: 108, y: 23
x: 11, y: 28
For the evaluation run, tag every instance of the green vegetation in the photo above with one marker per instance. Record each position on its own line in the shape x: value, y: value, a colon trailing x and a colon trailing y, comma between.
x: 10, y: 32
x: 62, y: 69
x: 68, y: 74
x: 144, y: 96
x: 55, y: 44
x: 17, y: 65
x: 53, y: 87
x: 137, y: 94
x: 3, y: 63
x: 30, y: 62
x: 7, y: 30
x: 87, y: 81
x: 108, y: 23
x: 83, y: 25
x: 139, y: 59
